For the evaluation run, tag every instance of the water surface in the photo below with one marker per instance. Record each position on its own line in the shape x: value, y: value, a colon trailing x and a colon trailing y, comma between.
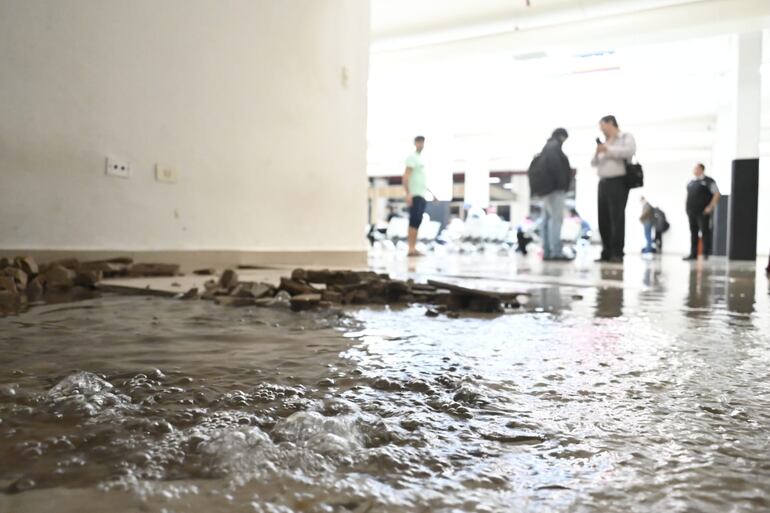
x: 656, y: 399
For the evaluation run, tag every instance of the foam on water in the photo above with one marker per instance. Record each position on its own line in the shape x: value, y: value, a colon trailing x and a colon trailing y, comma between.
x: 233, y: 410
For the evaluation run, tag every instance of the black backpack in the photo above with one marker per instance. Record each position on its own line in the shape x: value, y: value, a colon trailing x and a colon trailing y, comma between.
x: 538, y: 178
x: 661, y: 223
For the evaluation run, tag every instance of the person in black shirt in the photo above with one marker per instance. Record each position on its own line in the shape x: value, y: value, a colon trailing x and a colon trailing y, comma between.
x: 702, y: 198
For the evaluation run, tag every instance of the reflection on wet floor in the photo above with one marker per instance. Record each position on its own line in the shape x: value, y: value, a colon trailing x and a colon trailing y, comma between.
x: 649, y: 395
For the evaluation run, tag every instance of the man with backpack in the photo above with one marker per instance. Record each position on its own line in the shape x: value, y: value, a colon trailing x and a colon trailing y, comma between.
x: 549, y: 178
x: 661, y: 225
x: 654, y: 221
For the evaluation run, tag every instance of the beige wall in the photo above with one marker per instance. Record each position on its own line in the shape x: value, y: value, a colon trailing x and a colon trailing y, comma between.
x: 259, y: 104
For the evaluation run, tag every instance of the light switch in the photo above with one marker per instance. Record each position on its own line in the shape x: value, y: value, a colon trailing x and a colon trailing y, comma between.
x: 166, y: 174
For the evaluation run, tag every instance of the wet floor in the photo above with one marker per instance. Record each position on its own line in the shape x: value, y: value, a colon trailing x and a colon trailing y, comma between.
x: 651, y: 395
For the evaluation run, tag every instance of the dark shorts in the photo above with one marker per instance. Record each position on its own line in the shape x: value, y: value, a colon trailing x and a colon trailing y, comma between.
x: 416, y: 211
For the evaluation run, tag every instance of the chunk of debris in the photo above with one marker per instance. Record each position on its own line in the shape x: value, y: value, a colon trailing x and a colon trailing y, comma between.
x: 87, y: 279
x: 228, y: 280
x: 18, y: 276
x: 153, y: 270
x: 204, y: 272
x: 69, y: 263
x: 27, y: 264
x: 474, y: 300
x: 305, y: 302
x: 430, y: 312
x: 36, y: 288
x: 190, y: 294
x: 59, y: 277
x: 296, y: 287
x: 327, y: 277
x: 108, y: 269
x: 234, y: 301
x: 8, y: 286
x: 281, y: 299
x: 253, y: 289
x: 331, y: 296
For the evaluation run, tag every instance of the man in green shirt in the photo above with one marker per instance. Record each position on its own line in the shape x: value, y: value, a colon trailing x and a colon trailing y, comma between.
x: 416, y: 186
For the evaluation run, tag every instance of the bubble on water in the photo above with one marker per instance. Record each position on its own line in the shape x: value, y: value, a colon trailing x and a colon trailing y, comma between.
x: 84, y: 393
x: 325, y: 435
x: 237, y: 445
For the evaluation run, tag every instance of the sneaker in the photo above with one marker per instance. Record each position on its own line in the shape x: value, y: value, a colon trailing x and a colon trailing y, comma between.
x: 690, y: 257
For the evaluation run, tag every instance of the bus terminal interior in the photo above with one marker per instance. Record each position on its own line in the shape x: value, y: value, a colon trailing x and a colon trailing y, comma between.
x: 296, y: 256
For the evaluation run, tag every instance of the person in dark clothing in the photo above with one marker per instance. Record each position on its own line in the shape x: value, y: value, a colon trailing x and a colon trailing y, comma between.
x: 553, y: 175
x: 702, y: 198
x: 610, y: 163
x: 661, y: 226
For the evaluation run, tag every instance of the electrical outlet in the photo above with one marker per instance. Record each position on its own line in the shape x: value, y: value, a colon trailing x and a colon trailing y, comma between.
x: 165, y: 174
x: 117, y: 168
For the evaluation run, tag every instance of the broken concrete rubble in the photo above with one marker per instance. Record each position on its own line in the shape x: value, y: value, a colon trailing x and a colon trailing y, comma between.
x: 304, y: 289
x: 59, y: 277
x: 228, y: 280
x: 357, y: 288
x: 27, y: 264
x: 255, y: 290
x: 153, y: 270
x: 297, y: 287
x: 8, y: 286
x: 190, y: 294
x: 305, y: 302
x: 36, y: 288
x: 24, y: 281
x: 88, y: 279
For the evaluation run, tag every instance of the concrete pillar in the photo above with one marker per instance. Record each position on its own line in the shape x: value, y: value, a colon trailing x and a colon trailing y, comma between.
x: 744, y: 185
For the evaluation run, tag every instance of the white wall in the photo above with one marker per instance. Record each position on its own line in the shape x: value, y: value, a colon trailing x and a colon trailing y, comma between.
x: 247, y: 99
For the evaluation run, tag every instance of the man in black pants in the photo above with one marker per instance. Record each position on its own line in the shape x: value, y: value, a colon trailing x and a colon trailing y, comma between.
x: 702, y: 198
x: 610, y: 163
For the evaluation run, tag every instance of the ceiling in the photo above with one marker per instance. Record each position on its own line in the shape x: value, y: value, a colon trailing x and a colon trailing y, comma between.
x: 402, y: 24
x: 400, y: 17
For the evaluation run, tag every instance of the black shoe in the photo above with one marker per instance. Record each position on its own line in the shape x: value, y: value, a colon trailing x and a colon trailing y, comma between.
x: 562, y: 258
x: 602, y: 259
x: 690, y: 257
x: 616, y: 260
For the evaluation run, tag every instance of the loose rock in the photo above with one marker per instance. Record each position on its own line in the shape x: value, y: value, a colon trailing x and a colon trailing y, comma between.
x: 27, y: 264
x: 253, y: 290
x: 8, y: 286
x: 18, y: 276
x: 59, y: 277
x: 305, y: 302
x: 228, y: 280
x: 87, y: 279
x: 296, y: 287
x: 153, y: 270
x: 190, y: 294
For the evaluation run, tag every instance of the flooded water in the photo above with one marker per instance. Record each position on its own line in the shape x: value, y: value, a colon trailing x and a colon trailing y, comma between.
x: 591, y: 400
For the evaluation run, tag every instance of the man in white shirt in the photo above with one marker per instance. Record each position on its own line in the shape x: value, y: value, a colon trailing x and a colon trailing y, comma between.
x: 610, y: 163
